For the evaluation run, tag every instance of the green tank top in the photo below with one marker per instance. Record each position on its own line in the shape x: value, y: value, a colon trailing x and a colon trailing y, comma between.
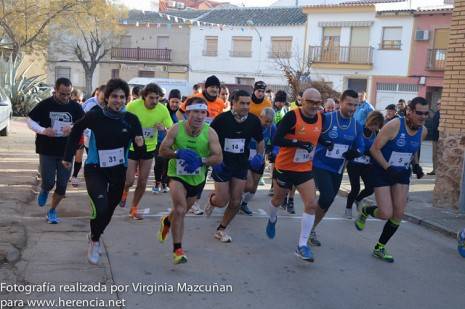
x: 199, y: 144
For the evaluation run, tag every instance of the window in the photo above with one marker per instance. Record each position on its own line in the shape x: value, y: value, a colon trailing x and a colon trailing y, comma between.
x: 146, y: 74
x: 441, y: 38
x: 114, y: 73
x: 331, y: 37
x: 163, y: 42
x: 392, y: 38
x: 281, y: 47
x: 241, y: 46
x: 62, y: 72
x: 211, y: 46
x: 245, y: 81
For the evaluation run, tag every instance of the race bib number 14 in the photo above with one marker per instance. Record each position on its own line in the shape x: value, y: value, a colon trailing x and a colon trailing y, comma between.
x: 234, y: 145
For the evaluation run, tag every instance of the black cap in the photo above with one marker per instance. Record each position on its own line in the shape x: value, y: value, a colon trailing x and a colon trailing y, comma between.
x: 391, y: 107
x: 259, y: 85
x: 280, y: 96
x: 212, y: 81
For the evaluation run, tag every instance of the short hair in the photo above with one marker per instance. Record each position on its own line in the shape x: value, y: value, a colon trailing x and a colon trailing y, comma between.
x: 102, y: 88
x: 349, y: 93
x: 136, y: 90
x: 268, y: 112
x: 193, y: 100
x: 401, y: 101
x: 417, y: 100
x: 76, y: 92
x: 224, y: 87
x: 196, y: 87
x: 375, y: 118
x: 115, y: 84
x: 239, y: 93
x: 63, y: 81
x: 151, y: 88
x: 174, y: 94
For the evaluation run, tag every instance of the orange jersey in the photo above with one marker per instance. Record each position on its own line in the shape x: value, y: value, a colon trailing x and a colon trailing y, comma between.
x: 256, y: 109
x: 297, y: 159
x: 214, y: 107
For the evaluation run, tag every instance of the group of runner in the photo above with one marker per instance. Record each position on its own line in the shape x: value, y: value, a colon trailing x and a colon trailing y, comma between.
x: 308, y: 148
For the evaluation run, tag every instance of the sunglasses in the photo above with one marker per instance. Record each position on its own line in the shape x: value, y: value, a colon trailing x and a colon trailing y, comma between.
x: 422, y: 113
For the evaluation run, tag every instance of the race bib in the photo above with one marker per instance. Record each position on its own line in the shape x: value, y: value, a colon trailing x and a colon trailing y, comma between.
x: 180, y: 170
x: 111, y: 157
x: 234, y: 145
x: 400, y: 159
x: 363, y: 160
x: 252, y: 154
x: 58, y: 127
x: 337, y: 151
x: 148, y: 132
x: 302, y: 156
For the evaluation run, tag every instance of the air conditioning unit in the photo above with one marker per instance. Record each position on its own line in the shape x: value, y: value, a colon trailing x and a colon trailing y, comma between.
x: 180, y: 6
x: 422, y: 35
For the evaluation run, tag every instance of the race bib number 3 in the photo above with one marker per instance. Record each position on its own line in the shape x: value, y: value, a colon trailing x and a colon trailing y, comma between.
x: 302, y: 156
x: 111, y: 157
x: 337, y: 151
x: 148, y: 132
x: 400, y: 159
x: 180, y: 170
x: 234, y: 145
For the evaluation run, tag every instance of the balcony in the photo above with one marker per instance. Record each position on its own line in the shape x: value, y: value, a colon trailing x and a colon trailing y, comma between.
x: 436, y: 59
x: 341, y: 57
x: 141, y: 54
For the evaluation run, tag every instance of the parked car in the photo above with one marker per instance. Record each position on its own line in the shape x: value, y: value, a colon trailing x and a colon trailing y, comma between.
x: 6, y: 112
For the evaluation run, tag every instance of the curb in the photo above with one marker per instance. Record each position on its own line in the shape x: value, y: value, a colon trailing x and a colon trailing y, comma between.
x: 419, y: 221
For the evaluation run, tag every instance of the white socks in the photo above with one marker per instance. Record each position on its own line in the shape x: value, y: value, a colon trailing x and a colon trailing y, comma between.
x: 273, y: 213
x: 305, y: 228
x: 247, y: 197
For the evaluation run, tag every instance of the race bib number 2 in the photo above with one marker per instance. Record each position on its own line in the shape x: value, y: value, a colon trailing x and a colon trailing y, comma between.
x: 111, y: 157
x: 234, y: 145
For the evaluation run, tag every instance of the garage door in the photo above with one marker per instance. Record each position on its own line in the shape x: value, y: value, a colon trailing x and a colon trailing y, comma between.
x: 387, y: 93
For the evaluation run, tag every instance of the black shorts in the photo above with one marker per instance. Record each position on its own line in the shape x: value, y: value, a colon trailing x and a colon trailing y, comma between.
x: 380, y: 178
x: 228, y: 173
x: 288, y: 179
x: 191, y: 190
x: 147, y: 155
x: 259, y: 171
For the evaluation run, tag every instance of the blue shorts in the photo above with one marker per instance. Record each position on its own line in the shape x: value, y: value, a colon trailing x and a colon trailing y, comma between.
x: 380, y: 178
x: 228, y: 173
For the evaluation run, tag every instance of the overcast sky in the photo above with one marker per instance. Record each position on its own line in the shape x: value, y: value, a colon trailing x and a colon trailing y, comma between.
x: 145, y: 4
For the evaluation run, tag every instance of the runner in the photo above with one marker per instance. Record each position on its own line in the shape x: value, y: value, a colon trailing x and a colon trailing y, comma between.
x: 461, y: 242
x: 191, y: 145
x: 52, y: 120
x: 105, y: 167
x: 391, y: 113
x: 97, y: 99
x: 235, y: 129
x: 297, y: 135
x: 280, y: 106
x: 259, y: 100
x: 339, y: 142
x: 153, y: 116
x: 297, y: 102
x: 135, y: 93
x: 363, y: 108
x: 393, y: 150
x: 254, y: 175
x: 362, y: 167
x: 330, y: 105
x: 224, y: 95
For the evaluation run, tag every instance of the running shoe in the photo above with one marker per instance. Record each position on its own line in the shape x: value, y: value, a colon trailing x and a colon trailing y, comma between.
x: 89, y: 238
x: 271, y: 229
x: 313, y: 240
x: 133, y: 214
x: 42, y: 198
x: 164, y: 229
x: 93, y: 255
x: 271, y: 192
x: 222, y: 236
x: 361, y: 220
x: 290, y: 207
x: 195, y: 209
x: 208, y: 209
x: 74, y: 182
x: 165, y: 189
x: 261, y: 182
x: 461, y: 242
x: 305, y: 253
x: 179, y: 257
x: 348, y: 213
x: 361, y: 204
x: 381, y: 252
x: 245, y: 209
x: 156, y: 189
x: 52, y: 217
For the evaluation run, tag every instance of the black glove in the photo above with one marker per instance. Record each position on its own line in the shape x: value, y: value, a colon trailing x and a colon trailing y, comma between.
x: 327, y: 143
x: 306, y: 146
x: 394, y: 173
x: 351, y: 154
x: 417, y: 170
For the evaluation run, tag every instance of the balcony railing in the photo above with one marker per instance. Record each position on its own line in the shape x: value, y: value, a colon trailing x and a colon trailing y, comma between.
x: 238, y: 53
x: 436, y: 59
x: 341, y: 55
x: 151, y: 54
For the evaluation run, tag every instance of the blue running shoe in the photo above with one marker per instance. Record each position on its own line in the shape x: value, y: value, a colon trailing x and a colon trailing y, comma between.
x: 461, y: 242
x: 305, y: 253
x: 271, y: 229
x: 52, y: 217
x: 42, y: 198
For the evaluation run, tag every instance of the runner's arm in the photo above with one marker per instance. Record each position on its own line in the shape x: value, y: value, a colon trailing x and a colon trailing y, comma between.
x: 165, y: 147
x: 216, y: 154
x: 387, y: 133
x: 75, y: 135
x: 284, y: 127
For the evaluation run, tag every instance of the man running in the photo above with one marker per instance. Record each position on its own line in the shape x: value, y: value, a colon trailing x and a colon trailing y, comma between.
x: 191, y: 145
x: 297, y: 135
x: 341, y: 138
x: 393, y: 151
x: 235, y: 129
x: 153, y: 116
x: 259, y: 100
x: 52, y: 120
x: 254, y: 175
x: 112, y: 130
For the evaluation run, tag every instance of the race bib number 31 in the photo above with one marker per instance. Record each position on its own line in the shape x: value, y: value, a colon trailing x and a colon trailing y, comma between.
x: 234, y: 145
x: 337, y: 151
x: 111, y: 157
x: 400, y: 159
x: 180, y: 170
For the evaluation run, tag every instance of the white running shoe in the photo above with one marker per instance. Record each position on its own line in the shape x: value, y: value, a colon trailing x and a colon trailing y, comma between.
x: 222, y: 236
x: 93, y: 255
x: 74, y: 182
x: 195, y: 209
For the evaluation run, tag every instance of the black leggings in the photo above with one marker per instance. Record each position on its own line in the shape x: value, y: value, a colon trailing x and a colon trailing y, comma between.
x: 105, y: 188
x: 160, y: 169
x: 357, y: 171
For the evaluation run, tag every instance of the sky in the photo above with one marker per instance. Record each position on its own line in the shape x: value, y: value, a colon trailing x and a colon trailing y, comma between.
x: 145, y: 4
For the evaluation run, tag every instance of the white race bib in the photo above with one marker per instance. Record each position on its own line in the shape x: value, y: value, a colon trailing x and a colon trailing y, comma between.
x: 400, y: 159
x: 252, y: 154
x: 234, y: 145
x: 180, y: 170
x: 58, y: 127
x: 363, y: 160
x: 302, y: 156
x: 111, y: 157
x: 337, y: 151
x: 148, y: 132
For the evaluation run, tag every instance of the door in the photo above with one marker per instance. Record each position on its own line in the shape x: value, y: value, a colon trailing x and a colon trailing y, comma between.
x: 359, y: 45
x: 359, y: 85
